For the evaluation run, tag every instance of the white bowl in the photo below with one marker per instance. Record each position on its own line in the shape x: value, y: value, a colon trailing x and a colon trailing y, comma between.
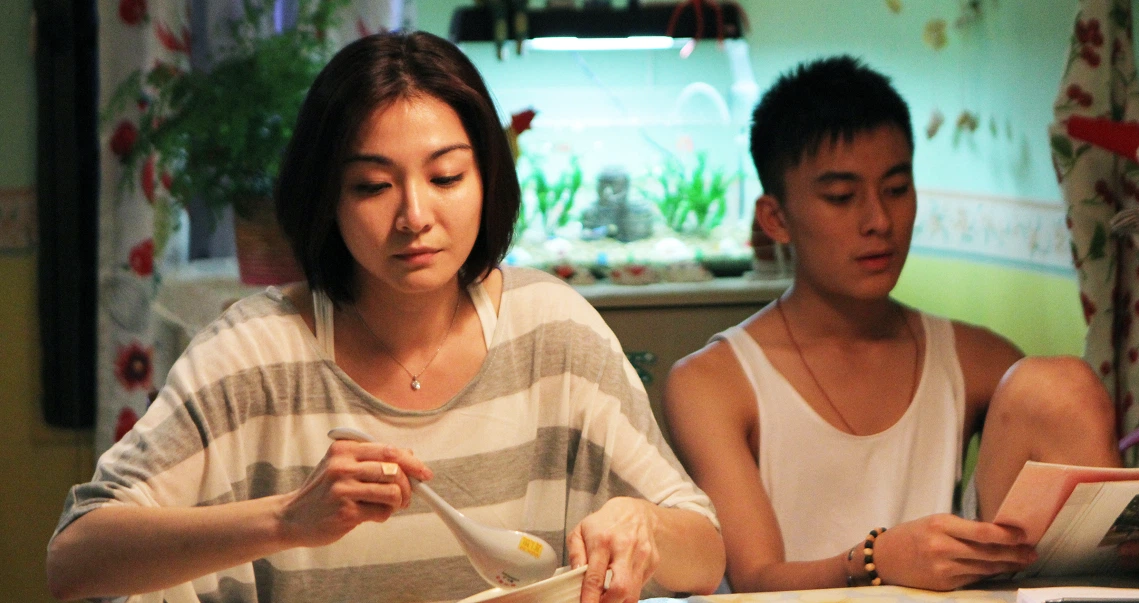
x: 564, y: 587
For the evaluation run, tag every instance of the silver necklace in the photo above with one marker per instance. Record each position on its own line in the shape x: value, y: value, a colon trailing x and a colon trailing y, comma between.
x: 415, y: 384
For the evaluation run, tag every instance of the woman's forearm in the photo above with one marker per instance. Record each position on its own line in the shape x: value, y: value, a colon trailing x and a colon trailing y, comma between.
x: 119, y: 550
x: 691, y: 552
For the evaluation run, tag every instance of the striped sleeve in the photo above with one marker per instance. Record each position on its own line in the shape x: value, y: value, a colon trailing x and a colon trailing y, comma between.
x: 621, y: 451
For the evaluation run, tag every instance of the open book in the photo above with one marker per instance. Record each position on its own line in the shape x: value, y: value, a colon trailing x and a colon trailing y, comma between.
x: 1074, y: 515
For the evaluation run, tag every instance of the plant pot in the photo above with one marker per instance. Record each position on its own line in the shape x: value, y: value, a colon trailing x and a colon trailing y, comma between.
x: 264, y: 256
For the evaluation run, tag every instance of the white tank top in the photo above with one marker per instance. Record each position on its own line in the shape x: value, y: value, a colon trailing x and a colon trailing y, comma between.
x: 829, y: 488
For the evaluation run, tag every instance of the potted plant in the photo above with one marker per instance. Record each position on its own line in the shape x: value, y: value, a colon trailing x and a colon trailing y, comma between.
x: 218, y: 135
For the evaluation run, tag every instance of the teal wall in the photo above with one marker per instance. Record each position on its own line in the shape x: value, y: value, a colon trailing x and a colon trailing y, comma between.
x: 1004, y: 68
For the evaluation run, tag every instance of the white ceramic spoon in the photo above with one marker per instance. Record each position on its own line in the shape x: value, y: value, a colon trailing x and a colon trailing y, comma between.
x: 504, y: 558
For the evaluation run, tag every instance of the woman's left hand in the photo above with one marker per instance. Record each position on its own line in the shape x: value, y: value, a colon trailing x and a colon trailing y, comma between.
x: 620, y: 536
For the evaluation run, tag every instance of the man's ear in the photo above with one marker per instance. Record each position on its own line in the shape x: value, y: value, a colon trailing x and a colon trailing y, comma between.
x: 770, y: 220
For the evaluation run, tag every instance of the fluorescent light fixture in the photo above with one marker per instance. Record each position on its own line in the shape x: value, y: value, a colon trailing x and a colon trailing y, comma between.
x: 629, y: 43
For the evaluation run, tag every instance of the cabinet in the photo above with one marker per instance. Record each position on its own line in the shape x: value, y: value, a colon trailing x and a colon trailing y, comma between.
x: 661, y: 323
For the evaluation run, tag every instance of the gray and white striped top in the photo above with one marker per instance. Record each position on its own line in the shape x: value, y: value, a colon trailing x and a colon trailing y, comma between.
x: 555, y: 423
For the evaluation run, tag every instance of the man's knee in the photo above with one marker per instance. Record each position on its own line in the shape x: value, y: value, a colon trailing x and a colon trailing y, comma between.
x: 1057, y: 391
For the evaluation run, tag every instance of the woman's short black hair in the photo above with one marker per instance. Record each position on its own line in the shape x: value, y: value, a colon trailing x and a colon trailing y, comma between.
x: 368, y: 74
x: 820, y: 101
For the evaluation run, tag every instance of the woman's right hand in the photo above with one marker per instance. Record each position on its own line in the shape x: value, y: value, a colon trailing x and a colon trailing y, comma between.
x: 944, y: 552
x: 354, y: 482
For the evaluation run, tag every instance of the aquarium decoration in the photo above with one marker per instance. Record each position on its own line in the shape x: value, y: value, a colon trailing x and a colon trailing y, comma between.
x: 574, y: 275
x: 634, y: 274
x: 615, y: 215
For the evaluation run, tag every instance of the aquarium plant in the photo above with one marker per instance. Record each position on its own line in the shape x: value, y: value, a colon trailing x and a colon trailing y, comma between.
x: 691, y: 201
x: 553, y: 201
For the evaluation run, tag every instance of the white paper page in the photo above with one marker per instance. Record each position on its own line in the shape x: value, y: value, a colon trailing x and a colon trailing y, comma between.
x: 1083, y: 537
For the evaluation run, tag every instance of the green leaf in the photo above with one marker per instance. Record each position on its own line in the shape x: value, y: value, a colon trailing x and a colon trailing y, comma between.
x: 1099, y: 242
x: 721, y: 211
x: 1062, y: 147
x: 1120, y: 16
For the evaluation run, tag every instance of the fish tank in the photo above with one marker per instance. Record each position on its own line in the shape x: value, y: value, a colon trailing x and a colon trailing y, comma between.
x: 634, y: 167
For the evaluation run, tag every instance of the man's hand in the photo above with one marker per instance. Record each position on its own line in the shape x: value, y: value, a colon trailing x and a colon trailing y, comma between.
x: 944, y: 552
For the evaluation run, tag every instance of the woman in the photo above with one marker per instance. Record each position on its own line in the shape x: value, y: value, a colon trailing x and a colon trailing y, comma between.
x: 399, y: 196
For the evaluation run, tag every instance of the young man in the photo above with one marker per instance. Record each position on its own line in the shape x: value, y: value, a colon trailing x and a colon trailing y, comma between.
x: 836, y: 410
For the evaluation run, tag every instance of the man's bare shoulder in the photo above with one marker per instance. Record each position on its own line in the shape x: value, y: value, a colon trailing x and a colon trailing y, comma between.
x: 977, y: 345
x: 709, y: 381
x: 709, y: 362
x: 984, y: 357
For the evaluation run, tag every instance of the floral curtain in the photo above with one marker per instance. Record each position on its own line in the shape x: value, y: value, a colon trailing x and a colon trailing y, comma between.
x: 1099, y: 82
x: 140, y: 34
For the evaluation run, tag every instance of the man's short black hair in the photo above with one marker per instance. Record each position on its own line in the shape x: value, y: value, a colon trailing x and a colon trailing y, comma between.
x: 816, y: 102
x: 368, y: 74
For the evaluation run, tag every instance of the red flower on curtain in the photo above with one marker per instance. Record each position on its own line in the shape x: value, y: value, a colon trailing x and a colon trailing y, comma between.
x: 146, y: 179
x: 1088, y: 32
x: 170, y: 41
x: 149, y: 182
x: 1081, y: 97
x: 132, y: 12
x: 142, y: 258
x: 1089, y: 307
x: 123, y: 138
x: 1103, y: 191
x: 1090, y: 37
x: 133, y: 366
x: 127, y: 418
x: 1090, y: 55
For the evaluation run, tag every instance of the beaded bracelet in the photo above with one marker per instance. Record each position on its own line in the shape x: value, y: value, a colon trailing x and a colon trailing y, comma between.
x: 867, y: 559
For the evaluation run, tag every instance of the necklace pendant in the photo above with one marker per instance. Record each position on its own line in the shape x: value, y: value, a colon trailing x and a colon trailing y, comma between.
x: 415, y: 385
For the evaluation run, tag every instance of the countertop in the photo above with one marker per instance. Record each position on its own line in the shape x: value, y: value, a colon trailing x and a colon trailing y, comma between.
x: 197, y: 293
